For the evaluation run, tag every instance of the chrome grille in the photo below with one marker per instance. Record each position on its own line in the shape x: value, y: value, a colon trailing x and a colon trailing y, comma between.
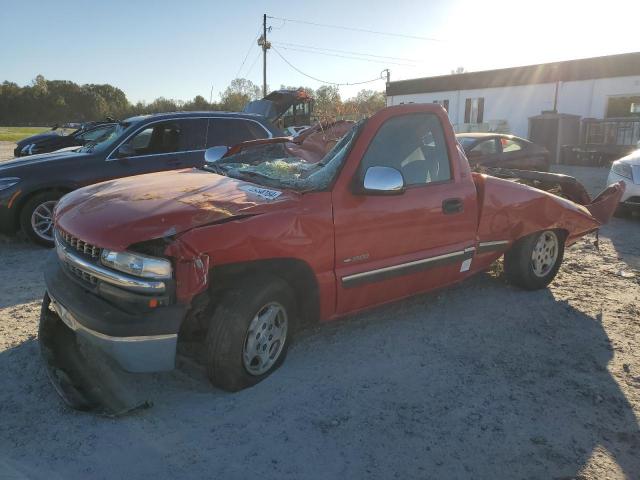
x: 79, y: 245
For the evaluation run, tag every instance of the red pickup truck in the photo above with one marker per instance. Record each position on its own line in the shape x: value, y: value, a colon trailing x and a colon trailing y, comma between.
x: 245, y: 251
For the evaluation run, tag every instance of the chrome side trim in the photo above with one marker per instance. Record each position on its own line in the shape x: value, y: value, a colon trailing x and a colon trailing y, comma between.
x: 107, y: 275
x: 484, y: 247
x: 157, y: 154
x: 109, y: 158
x: 406, y: 268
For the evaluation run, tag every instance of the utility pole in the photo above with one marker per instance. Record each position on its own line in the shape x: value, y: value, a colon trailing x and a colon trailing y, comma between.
x: 262, y: 41
x: 388, y: 72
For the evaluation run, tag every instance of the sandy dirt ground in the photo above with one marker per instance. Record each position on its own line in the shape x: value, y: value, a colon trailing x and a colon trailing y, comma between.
x: 482, y: 380
x: 6, y: 150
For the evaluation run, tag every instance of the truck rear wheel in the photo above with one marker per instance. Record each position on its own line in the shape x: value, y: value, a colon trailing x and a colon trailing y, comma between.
x: 534, y: 260
x: 249, y: 333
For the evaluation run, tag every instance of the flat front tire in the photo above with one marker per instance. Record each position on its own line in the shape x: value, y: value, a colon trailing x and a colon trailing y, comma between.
x: 249, y: 333
x: 534, y: 260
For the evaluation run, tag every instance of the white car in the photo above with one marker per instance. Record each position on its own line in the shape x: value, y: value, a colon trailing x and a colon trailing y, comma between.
x: 627, y: 169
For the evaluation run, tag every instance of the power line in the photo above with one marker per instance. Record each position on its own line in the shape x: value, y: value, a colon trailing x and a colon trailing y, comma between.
x: 386, y: 62
x: 317, y: 79
x: 253, y: 44
x: 345, y: 51
x: 253, y: 64
x: 363, y: 30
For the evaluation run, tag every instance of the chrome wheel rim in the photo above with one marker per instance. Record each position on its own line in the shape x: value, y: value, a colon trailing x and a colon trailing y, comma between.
x: 42, y: 220
x: 265, y: 339
x: 545, y: 254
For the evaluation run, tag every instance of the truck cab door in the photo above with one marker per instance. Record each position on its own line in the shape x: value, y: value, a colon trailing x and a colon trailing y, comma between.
x: 393, y: 242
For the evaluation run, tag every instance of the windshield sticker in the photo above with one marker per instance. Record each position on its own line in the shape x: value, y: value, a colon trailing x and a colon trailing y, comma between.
x: 262, y: 192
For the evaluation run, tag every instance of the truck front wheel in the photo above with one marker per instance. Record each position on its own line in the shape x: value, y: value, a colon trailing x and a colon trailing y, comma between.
x: 533, y: 261
x: 249, y: 333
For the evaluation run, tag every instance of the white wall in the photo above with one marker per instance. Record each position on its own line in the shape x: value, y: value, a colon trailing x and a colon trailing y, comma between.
x: 587, y: 98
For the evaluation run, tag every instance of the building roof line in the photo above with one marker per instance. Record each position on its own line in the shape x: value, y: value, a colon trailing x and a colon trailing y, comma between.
x: 621, y: 65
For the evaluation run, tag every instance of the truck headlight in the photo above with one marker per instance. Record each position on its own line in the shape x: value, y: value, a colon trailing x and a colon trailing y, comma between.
x: 622, y: 169
x: 8, y: 182
x: 137, y: 264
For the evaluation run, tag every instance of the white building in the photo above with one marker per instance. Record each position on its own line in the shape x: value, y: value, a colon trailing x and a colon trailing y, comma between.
x: 504, y: 99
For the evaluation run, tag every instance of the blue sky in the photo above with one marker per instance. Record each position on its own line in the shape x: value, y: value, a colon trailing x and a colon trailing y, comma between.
x: 179, y: 49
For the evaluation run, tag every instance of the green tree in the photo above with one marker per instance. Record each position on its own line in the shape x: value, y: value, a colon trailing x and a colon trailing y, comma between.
x: 198, y: 103
x: 365, y: 103
x: 240, y: 92
x: 328, y: 103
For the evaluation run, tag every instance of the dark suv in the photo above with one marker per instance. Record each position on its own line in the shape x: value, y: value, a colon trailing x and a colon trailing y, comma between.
x: 30, y: 187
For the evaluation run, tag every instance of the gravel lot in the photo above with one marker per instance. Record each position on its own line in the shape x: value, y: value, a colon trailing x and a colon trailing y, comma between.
x: 478, y: 381
x: 6, y: 150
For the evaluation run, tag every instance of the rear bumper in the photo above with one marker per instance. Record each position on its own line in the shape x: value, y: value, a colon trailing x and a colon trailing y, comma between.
x: 138, y: 342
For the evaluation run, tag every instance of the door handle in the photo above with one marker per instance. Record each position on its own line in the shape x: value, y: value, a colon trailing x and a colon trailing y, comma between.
x: 452, y: 205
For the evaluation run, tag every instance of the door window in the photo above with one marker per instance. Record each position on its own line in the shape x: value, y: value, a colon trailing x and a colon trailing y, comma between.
x: 486, y: 147
x: 414, y: 145
x: 230, y: 131
x: 509, y: 145
x: 169, y: 137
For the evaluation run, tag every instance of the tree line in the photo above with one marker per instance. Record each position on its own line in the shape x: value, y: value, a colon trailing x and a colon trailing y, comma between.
x: 46, y: 102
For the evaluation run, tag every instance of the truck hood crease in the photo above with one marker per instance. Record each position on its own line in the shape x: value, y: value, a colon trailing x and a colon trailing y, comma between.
x: 146, y: 207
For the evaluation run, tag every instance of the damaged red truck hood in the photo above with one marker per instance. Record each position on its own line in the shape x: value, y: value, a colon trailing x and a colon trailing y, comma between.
x: 135, y: 209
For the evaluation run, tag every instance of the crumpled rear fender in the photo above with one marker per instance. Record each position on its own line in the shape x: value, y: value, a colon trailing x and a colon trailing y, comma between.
x: 603, y: 206
x: 510, y: 211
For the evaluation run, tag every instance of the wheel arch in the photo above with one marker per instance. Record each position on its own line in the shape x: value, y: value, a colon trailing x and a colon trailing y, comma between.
x: 23, y: 199
x: 295, y: 272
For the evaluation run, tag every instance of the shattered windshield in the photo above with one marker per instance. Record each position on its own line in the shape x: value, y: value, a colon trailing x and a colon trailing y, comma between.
x: 105, y: 138
x: 271, y: 165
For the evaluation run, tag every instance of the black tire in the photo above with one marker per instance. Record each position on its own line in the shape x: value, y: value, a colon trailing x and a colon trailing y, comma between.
x: 519, y: 266
x: 229, y: 326
x: 27, y: 212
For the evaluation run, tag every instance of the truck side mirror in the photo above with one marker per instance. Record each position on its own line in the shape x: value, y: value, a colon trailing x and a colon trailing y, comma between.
x: 214, y: 154
x: 383, y: 181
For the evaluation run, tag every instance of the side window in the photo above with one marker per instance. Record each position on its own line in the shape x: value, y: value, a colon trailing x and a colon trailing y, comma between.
x: 444, y: 103
x: 230, y: 131
x: 414, y: 145
x: 486, y: 147
x: 169, y: 137
x: 509, y: 145
x: 474, y: 110
x: 192, y: 134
